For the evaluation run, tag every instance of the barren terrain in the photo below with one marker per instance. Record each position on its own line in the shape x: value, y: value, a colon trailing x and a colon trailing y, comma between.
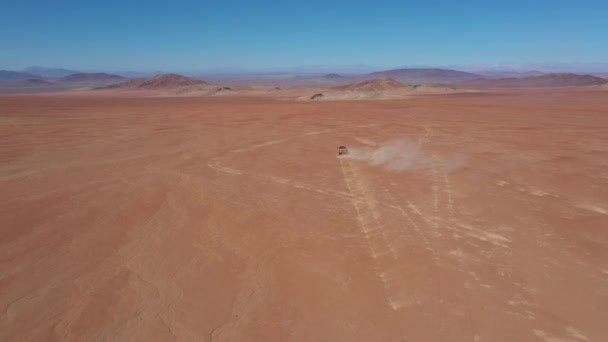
x: 473, y: 217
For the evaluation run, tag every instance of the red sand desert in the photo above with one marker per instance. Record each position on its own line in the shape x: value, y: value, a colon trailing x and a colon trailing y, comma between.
x: 472, y: 217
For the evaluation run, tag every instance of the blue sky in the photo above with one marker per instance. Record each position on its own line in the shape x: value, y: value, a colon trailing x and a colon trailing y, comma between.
x: 279, y: 35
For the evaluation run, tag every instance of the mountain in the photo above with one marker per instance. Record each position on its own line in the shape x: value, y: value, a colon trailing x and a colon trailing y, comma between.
x: 376, y: 85
x: 50, y: 72
x: 162, y: 81
x: 35, y: 82
x: 333, y: 76
x: 548, y: 80
x: 324, y: 69
x: 30, y: 82
x: 30, y: 85
x: 135, y: 74
x: 96, y: 77
x: 547, y: 68
x: 6, y: 75
x: 420, y: 76
x: 510, y: 74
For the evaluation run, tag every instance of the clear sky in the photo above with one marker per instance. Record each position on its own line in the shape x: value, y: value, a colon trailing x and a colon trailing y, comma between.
x: 263, y: 35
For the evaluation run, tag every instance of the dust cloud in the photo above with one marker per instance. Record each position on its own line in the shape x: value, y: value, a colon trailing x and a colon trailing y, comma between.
x: 403, y: 154
x: 399, y: 154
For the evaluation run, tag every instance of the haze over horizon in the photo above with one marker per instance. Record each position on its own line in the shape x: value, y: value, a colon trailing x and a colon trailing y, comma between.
x: 359, y: 36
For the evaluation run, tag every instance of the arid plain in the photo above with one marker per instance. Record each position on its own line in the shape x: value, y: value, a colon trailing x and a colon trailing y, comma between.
x: 466, y: 217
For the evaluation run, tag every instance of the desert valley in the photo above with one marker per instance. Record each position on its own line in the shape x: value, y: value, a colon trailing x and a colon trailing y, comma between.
x: 178, y: 208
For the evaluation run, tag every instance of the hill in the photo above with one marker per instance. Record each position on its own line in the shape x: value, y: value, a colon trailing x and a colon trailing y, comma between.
x: 420, y: 76
x: 30, y: 85
x: 333, y: 76
x: 168, y: 81
x: 30, y: 82
x: 543, y: 81
x: 377, y: 85
x: 94, y: 77
x: 438, y: 89
x: 159, y: 82
x: 6, y: 75
x: 33, y: 82
x: 382, y: 89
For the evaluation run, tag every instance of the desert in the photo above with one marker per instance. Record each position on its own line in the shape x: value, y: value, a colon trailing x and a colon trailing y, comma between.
x: 460, y: 217
x: 288, y: 171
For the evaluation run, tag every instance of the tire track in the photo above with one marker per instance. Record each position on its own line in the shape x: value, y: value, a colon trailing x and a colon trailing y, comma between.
x: 216, y: 164
x: 384, y: 253
x: 419, y: 231
x: 450, y: 222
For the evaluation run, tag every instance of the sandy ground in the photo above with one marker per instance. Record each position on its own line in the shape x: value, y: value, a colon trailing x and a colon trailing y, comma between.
x: 232, y: 219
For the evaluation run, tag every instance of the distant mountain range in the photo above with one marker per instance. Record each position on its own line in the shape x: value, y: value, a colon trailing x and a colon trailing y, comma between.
x: 543, y: 81
x: 510, y: 74
x: 16, y: 81
x: 30, y: 82
x: 31, y: 78
x: 54, y: 73
x: 423, y: 76
x: 49, y: 72
x: 93, y: 77
x: 6, y: 75
x: 407, y: 76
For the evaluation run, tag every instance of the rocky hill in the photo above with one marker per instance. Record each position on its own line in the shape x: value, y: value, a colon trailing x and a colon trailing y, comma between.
x: 159, y: 82
x: 377, y: 85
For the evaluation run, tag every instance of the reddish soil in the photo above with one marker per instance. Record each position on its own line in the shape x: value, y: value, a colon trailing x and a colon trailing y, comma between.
x: 232, y: 219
